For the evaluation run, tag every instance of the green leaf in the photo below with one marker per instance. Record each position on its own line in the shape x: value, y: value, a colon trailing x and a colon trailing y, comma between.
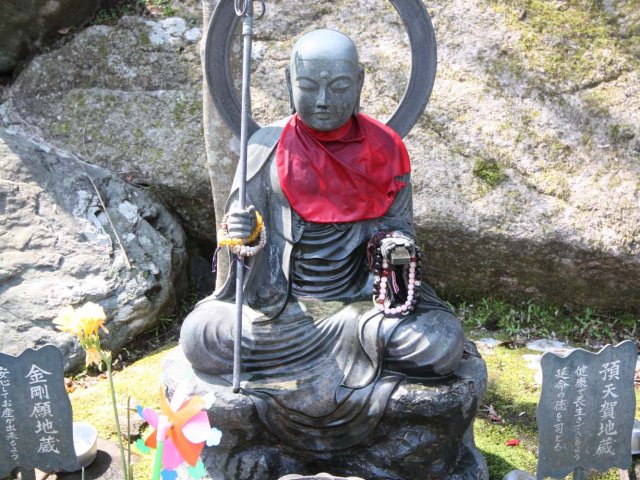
x: 142, y: 448
x: 198, y: 471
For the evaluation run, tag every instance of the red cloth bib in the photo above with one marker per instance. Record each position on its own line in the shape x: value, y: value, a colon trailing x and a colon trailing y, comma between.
x: 344, y: 175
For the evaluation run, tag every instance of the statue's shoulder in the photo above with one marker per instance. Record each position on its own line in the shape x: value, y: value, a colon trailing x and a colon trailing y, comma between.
x: 268, y: 135
x: 261, y: 144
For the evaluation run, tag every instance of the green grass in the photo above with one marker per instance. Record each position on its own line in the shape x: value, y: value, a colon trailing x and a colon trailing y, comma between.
x: 513, y: 394
x: 141, y: 382
x: 530, y: 320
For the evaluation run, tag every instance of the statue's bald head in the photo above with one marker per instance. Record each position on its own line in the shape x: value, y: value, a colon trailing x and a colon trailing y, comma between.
x: 325, y: 44
x: 325, y: 79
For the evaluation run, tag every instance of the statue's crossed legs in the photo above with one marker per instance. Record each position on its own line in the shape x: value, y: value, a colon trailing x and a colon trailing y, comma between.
x: 428, y: 343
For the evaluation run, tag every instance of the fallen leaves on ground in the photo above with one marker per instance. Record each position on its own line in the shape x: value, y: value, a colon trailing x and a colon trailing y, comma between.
x: 491, y: 412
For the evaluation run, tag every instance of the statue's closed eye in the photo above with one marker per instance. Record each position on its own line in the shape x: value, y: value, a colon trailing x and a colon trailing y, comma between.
x: 340, y: 85
x: 306, y: 84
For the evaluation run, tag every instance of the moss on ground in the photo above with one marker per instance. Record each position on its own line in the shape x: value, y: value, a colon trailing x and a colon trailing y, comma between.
x: 141, y: 382
x: 513, y: 394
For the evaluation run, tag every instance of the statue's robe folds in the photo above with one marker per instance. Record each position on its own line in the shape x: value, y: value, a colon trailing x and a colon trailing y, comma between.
x: 320, y: 362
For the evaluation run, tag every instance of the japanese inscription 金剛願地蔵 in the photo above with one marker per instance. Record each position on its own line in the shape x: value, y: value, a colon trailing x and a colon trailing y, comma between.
x: 35, y: 413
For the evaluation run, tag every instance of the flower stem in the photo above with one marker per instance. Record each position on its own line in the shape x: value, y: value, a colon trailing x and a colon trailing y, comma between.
x: 125, y: 469
x: 128, y: 437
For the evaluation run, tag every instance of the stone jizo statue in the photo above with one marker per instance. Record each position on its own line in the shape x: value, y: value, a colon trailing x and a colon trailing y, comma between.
x: 335, y: 313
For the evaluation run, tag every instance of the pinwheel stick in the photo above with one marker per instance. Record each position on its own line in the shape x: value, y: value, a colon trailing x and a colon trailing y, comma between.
x: 163, y: 428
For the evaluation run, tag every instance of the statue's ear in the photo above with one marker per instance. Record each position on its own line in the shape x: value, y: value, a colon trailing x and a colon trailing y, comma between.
x: 360, y: 85
x: 287, y: 71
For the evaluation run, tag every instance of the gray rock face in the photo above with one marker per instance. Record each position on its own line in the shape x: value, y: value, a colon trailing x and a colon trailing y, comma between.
x: 522, y: 174
x: 426, y: 432
x: 526, y: 164
x: 129, y: 98
x: 57, y: 248
x: 25, y: 26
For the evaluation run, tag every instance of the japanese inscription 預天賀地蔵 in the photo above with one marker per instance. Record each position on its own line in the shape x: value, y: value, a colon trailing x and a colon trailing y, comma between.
x: 586, y: 410
x: 35, y: 413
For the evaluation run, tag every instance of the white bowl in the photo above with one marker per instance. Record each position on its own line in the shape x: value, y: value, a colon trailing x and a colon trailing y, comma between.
x: 518, y: 475
x: 635, y: 438
x: 85, y: 442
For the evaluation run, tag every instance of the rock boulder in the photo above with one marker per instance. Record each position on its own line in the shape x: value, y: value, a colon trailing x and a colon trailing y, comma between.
x: 126, y: 97
x: 28, y: 26
x: 58, y: 248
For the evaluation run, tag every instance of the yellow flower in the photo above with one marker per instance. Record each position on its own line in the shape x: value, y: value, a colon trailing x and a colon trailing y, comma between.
x: 93, y: 357
x: 68, y: 321
x: 84, y: 323
x: 91, y: 317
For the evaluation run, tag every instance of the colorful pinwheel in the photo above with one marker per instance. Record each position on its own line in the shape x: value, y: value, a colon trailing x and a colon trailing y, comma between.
x: 181, y: 430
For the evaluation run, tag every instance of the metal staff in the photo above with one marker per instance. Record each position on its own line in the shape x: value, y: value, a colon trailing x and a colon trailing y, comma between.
x: 244, y: 8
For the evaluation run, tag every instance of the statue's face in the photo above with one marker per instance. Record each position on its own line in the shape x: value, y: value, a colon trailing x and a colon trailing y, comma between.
x: 325, y: 91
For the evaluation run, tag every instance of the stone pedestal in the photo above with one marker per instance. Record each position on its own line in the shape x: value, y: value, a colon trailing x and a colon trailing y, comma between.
x: 426, y: 431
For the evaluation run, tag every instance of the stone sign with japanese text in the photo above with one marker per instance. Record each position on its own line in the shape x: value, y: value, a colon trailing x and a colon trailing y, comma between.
x: 36, y: 429
x: 586, y: 410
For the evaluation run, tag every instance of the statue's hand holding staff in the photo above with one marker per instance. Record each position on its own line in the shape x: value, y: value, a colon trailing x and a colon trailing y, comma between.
x: 241, y: 222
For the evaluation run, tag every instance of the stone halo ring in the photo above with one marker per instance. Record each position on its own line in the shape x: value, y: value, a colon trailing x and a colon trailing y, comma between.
x: 417, y: 23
